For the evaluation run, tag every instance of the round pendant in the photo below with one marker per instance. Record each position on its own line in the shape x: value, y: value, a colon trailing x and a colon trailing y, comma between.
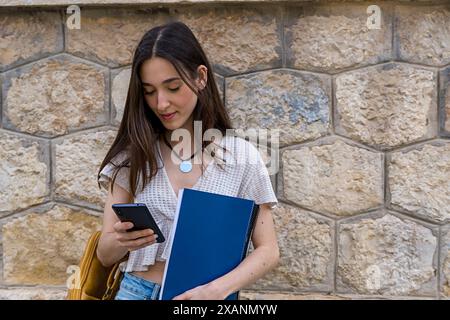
x: 186, y: 166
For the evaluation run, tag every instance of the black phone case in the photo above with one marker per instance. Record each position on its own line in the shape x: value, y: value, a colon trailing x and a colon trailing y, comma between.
x: 139, y: 215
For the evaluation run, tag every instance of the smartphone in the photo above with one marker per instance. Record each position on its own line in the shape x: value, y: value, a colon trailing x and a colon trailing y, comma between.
x: 139, y: 215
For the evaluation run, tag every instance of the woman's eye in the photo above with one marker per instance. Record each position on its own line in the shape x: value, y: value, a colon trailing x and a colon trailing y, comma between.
x: 150, y: 93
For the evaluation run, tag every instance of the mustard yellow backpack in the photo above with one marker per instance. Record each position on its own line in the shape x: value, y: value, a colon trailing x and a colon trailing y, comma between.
x: 95, y: 282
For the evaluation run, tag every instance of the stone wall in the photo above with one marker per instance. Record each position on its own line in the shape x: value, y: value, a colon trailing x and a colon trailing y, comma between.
x: 364, y: 114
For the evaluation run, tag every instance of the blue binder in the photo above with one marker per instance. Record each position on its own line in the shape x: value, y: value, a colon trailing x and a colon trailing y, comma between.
x: 212, y: 234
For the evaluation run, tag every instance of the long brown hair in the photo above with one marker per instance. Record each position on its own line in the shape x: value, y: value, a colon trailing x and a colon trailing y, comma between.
x: 140, y: 128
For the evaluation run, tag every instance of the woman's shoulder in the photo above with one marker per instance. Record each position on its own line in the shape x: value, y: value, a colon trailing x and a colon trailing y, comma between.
x: 120, y: 157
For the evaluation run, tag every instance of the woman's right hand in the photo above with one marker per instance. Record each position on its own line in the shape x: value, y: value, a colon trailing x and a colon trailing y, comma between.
x: 133, y: 240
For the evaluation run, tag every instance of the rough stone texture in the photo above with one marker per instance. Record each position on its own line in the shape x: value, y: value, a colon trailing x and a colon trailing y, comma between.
x: 445, y: 262
x: 1, y: 98
x: 249, y: 295
x: 306, y: 250
x: 423, y: 34
x: 110, y: 36
x: 419, y: 181
x: 39, y: 247
x: 119, y: 91
x: 24, y: 172
x: 220, y: 82
x: 104, y: 2
x: 55, y: 96
x: 386, y: 105
x: 334, y: 178
x: 298, y: 104
x: 444, y: 101
x: 28, y: 35
x: 76, y: 163
x: 268, y: 295
x: 387, y: 256
x: 329, y: 38
x: 237, y: 39
x: 36, y: 293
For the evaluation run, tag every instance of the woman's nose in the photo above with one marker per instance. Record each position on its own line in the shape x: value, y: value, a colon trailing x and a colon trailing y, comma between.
x: 163, y: 102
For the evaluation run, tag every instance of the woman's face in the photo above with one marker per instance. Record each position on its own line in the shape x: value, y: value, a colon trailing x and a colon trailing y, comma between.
x: 167, y: 95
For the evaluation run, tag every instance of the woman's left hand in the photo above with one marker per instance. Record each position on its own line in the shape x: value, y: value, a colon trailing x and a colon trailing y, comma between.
x: 205, y: 292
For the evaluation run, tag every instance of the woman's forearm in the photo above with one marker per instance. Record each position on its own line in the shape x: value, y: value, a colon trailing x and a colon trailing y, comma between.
x: 108, y: 251
x: 253, y: 267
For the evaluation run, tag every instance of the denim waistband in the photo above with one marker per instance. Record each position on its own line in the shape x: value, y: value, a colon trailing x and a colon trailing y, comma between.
x: 133, y: 287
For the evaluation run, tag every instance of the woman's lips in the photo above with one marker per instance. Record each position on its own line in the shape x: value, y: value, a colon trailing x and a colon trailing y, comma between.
x: 168, y: 116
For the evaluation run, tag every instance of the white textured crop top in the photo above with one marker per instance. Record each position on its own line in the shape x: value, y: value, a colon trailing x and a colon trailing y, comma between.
x: 244, y: 175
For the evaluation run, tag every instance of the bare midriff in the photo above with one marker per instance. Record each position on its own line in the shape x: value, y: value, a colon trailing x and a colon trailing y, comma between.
x: 154, y: 273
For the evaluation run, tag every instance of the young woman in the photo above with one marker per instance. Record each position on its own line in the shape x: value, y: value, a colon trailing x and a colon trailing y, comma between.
x: 171, y: 89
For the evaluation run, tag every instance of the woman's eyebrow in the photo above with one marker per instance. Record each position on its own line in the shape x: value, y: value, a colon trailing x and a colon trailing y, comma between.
x: 165, y: 81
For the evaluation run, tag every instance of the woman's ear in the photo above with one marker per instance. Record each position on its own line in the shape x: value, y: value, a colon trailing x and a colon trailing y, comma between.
x: 202, y: 76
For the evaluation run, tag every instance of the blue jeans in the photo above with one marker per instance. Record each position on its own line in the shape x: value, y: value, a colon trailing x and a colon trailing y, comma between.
x: 136, y: 288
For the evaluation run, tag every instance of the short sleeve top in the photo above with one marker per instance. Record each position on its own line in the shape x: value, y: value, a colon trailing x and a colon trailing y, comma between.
x: 243, y: 175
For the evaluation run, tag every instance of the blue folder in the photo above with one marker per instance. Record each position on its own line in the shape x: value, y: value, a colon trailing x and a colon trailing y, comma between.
x: 211, y: 238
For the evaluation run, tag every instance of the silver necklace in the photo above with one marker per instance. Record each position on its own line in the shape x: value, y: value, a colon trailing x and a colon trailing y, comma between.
x: 185, y: 165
